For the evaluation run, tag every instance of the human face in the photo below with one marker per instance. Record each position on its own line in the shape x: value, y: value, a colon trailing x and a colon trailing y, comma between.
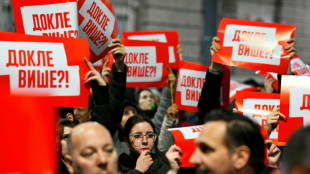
x: 129, y: 111
x: 81, y: 114
x: 139, y: 144
x: 63, y: 141
x: 211, y: 154
x: 146, y: 99
x: 93, y: 151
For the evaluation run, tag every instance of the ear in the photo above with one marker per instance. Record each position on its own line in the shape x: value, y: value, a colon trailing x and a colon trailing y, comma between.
x: 240, y: 157
x: 69, y: 116
x: 69, y: 163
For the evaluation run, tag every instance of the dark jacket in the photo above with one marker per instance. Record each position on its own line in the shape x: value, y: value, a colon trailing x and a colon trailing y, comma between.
x: 127, y: 164
x: 109, y: 100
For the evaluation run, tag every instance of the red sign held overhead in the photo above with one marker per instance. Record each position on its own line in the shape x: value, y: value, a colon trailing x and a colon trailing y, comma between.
x: 42, y: 66
x: 191, y: 78
x: 295, y: 104
x: 169, y: 37
x: 97, y: 23
x: 55, y: 18
x: 147, y: 63
x: 256, y: 106
x: 253, y: 45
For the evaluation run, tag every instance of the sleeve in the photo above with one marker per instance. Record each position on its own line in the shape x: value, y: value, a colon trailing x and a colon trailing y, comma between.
x: 109, y: 105
x: 165, y: 102
x: 210, y: 94
x: 165, y: 138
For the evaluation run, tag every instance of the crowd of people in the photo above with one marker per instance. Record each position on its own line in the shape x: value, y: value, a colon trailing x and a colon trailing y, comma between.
x: 118, y: 134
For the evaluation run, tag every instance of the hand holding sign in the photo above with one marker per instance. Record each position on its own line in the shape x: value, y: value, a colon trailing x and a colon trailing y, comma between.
x: 291, y: 48
x: 93, y: 74
x: 273, y: 154
x: 272, y: 120
x: 119, y: 54
x: 214, y: 46
x: 173, y: 156
x: 268, y: 84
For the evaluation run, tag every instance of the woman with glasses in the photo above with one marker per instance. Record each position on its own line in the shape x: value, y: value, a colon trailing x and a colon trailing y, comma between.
x: 140, y: 136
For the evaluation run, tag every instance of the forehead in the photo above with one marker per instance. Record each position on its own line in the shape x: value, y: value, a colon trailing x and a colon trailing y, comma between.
x: 129, y: 107
x: 145, y: 92
x: 85, y: 137
x: 213, y: 133
x: 142, y: 127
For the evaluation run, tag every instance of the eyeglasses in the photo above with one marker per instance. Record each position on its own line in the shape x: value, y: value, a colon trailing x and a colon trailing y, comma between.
x: 138, y: 137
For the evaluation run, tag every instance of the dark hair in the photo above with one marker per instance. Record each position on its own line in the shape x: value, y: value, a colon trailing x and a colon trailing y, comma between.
x: 63, y: 112
x: 132, y: 121
x: 139, y: 92
x: 64, y: 122
x: 91, y: 102
x: 297, y: 151
x: 241, y: 130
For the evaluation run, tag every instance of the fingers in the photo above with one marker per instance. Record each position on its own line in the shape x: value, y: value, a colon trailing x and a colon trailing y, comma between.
x: 89, y: 65
x: 216, y: 39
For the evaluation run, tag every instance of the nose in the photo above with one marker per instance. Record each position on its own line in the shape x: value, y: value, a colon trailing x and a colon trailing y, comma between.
x: 195, y: 157
x: 144, y: 140
x: 102, y: 160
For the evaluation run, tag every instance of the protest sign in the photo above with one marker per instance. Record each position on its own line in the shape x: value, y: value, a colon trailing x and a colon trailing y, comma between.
x: 256, y: 106
x: 169, y: 37
x: 294, y: 104
x: 237, y: 86
x: 147, y: 63
x: 46, y: 66
x: 98, y: 24
x: 28, y: 136
x: 191, y: 78
x: 54, y: 18
x: 253, y: 45
x: 299, y: 67
x: 184, y: 138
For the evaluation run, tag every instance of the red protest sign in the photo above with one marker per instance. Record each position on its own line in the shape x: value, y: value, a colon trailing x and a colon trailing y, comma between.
x: 184, y: 138
x: 256, y: 106
x: 54, y: 18
x: 28, y: 129
x: 253, y: 45
x: 169, y: 37
x: 147, y: 63
x: 191, y: 77
x: 237, y: 86
x: 46, y: 66
x: 98, y: 24
x: 299, y: 67
x: 294, y: 104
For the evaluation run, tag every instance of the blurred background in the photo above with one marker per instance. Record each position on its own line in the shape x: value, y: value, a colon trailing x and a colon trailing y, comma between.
x: 197, y: 22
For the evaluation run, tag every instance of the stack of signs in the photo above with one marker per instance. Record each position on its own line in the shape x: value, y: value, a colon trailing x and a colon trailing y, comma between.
x: 253, y: 45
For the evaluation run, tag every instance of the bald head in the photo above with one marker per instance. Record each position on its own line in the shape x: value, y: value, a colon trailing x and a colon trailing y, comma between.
x: 91, y: 150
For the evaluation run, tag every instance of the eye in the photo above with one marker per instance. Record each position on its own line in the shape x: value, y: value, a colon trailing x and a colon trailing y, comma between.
x: 136, y: 136
x: 88, y: 152
x: 150, y: 135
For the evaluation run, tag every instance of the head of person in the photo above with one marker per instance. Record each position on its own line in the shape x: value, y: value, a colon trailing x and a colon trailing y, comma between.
x: 65, y: 127
x: 130, y: 109
x: 66, y: 113
x: 228, y: 143
x: 145, y: 100
x: 91, y: 150
x: 84, y: 114
x: 296, y: 155
x: 139, y: 134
